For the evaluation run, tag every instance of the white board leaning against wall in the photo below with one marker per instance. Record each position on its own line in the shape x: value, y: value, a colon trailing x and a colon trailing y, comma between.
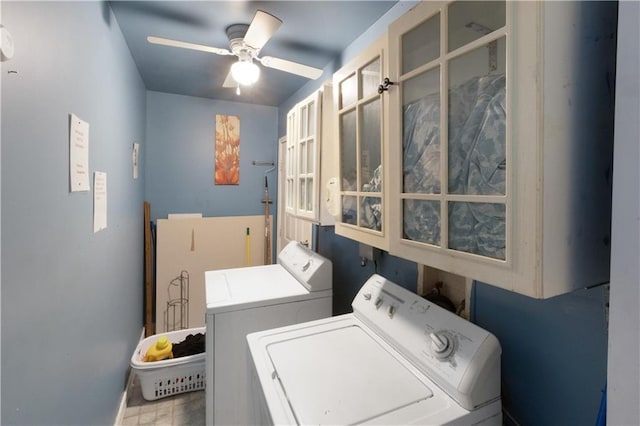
x: 186, y: 248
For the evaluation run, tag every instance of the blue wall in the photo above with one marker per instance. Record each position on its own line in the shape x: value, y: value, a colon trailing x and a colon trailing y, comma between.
x: 554, y: 352
x: 71, y: 299
x: 180, y: 156
x: 348, y: 272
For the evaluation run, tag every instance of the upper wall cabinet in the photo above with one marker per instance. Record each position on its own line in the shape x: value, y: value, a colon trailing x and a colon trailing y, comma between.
x: 501, y: 141
x: 361, y: 112
x: 309, y: 160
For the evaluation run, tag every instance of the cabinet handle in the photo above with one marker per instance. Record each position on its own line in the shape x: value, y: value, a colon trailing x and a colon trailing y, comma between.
x: 385, y: 85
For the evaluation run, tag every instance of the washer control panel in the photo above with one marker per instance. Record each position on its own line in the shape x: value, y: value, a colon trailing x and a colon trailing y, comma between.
x: 312, y: 270
x: 446, y: 347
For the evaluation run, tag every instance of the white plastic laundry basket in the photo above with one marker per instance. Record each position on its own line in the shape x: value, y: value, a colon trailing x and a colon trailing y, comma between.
x: 168, y: 377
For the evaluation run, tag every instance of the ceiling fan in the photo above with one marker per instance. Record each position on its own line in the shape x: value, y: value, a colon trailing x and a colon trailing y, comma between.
x: 245, y: 42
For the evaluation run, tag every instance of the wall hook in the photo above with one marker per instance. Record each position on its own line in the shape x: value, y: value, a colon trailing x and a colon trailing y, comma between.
x: 262, y: 163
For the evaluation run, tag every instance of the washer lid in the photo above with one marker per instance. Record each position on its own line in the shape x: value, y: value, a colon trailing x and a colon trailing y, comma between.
x: 243, y: 288
x: 343, y: 376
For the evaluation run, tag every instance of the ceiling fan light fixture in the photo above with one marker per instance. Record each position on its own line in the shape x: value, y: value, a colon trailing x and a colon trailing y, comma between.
x: 245, y: 72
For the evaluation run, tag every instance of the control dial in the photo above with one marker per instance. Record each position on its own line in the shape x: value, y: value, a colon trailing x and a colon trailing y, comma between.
x: 378, y: 303
x: 391, y: 311
x: 442, y: 344
x: 306, y: 266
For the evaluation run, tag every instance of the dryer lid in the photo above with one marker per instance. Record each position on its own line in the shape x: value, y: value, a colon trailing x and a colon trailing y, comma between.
x: 245, y: 288
x: 344, y: 376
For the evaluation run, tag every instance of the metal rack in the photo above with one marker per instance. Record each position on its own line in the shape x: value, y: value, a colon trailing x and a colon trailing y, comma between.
x: 177, y: 313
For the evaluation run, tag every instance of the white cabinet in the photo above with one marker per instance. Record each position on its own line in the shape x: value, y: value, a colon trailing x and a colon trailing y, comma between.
x: 362, y: 154
x: 501, y: 139
x: 309, y: 156
x: 309, y: 163
x: 303, y: 157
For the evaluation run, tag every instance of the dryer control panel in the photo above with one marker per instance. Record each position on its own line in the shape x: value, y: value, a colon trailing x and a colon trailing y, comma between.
x: 461, y: 357
x: 313, y: 271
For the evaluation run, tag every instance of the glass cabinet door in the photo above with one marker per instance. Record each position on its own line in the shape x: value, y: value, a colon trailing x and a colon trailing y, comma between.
x: 303, y: 158
x: 307, y: 147
x: 452, y: 126
x: 360, y: 111
x: 477, y: 133
x: 290, y: 163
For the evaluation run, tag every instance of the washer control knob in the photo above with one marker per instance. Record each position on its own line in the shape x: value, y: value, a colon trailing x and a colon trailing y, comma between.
x: 442, y: 345
x: 378, y: 303
x: 306, y: 266
x: 391, y: 311
x: 367, y: 296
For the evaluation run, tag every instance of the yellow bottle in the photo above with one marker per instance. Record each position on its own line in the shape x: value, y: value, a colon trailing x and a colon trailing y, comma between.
x: 159, y: 351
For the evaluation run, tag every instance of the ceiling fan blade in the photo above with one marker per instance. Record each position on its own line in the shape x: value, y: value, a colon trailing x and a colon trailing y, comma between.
x: 229, y: 81
x: 185, y: 45
x: 291, y: 67
x: 262, y: 27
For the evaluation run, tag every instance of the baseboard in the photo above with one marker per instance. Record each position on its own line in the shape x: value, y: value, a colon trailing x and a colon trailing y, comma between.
x: 121, y: 409
x: 123, y: 400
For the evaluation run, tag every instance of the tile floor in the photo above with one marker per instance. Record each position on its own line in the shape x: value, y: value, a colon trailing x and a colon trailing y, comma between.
x: 183, y: 409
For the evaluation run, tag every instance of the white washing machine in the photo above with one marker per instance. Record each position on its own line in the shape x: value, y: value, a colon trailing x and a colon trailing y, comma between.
x: 397, y: 359
x: 244, y: 300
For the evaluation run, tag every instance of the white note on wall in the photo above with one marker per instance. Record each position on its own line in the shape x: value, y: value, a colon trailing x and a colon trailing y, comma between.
x: 99, y: 201
x: 136, y: 153
x: 78, y: 154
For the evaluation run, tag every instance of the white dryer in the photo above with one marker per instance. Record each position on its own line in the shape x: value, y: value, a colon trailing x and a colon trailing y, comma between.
x: 245, y: 300
x: 397, y: 359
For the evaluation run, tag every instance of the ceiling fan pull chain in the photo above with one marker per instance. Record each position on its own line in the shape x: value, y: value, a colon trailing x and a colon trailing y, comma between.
x: 385, y: 85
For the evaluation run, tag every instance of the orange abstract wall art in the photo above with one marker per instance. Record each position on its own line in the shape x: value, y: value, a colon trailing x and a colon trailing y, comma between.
x: 227, y: 167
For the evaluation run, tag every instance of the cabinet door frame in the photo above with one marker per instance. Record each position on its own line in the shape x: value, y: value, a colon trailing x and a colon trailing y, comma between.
x: 290, y: 163
x: 441, y: 256
x: 307, y: 134
x: 290, y: 227
x: 379, y: 239
x: 282, y: 152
